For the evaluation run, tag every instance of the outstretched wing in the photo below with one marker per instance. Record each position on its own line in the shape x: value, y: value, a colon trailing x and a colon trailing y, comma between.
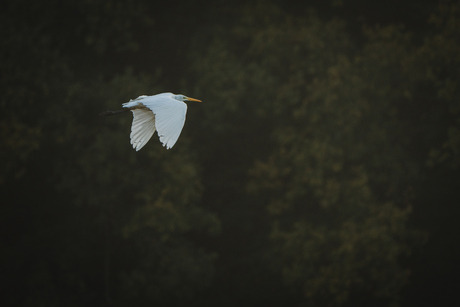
x: 142, y: 128
x: 169, y: 117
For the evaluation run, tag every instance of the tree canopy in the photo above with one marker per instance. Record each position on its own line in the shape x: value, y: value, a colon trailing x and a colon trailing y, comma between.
x: 307, y: 176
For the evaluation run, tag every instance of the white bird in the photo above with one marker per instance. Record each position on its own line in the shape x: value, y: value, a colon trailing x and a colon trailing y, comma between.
x: 164, y: 113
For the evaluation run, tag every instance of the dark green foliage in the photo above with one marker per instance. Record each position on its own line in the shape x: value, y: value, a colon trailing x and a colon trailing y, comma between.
x: 296, y: 181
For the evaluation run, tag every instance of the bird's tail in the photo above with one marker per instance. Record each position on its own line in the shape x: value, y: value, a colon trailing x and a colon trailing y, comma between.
x: 106, y: 113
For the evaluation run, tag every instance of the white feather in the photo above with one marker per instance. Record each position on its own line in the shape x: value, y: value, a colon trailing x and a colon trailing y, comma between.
x: 142, y: 128
x: 162, y: 112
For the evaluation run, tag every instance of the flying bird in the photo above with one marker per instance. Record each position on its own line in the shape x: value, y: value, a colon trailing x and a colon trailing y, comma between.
x: 164, y: 113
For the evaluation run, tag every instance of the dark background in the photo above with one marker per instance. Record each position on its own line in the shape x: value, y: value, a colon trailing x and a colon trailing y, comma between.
x: 321, y: 168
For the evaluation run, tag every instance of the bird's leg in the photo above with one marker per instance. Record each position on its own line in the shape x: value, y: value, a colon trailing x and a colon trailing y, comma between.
x: 106, y: 113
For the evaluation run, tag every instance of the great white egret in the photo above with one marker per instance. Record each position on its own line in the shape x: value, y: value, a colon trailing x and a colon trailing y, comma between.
x: 164, y: 113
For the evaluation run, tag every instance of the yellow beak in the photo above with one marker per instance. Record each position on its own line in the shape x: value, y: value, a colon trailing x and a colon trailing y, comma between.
x: 192, y: 99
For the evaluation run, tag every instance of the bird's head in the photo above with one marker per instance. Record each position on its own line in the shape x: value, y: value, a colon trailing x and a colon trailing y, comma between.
x: 185, y: 98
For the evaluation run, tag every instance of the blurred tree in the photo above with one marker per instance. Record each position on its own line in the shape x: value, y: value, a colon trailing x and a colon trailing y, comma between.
x: 44, y: 46
x: 87, y: 220
x: 322, y: 123
x: 436, y: 108
x: 442, y: 52
x: 310, y: 150
x: 144, y: 212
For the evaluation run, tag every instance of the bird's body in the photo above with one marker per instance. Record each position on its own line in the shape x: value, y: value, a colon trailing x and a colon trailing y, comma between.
x: 164, y: 113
